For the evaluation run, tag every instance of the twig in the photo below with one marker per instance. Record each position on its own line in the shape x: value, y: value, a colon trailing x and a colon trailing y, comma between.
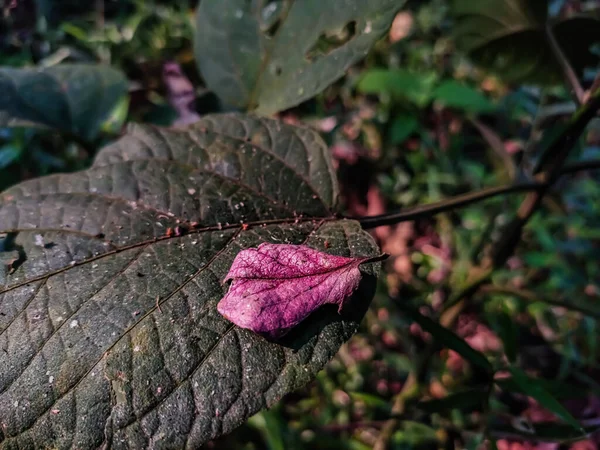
x: 568, y: 72
x: 442, y: 206
x: 592, y: 164
x: 495, y: 142
x: 464, y: 199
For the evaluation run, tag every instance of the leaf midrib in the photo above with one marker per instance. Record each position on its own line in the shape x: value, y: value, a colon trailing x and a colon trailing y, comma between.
x: 249, y: 225
x: 296, y: 277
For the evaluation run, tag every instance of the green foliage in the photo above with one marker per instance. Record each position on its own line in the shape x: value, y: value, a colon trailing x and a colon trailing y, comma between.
x: 422, y: 90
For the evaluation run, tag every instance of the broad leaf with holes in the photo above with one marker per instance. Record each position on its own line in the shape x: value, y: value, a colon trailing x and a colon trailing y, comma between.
x: 272, y: 55
x: 109, y: 329
x: 75, y: 98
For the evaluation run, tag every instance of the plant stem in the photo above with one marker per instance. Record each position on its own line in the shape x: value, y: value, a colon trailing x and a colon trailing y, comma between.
x: 495, y: 142
x: 443, y: 205
x: 465, y: 199
x: 568, y: 72
x: 592, y: 164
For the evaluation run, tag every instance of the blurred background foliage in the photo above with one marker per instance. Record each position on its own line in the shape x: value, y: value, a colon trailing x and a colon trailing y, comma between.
x: 453, y: 99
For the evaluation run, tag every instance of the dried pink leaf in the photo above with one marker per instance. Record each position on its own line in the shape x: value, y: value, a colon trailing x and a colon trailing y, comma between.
x: 276, y: 286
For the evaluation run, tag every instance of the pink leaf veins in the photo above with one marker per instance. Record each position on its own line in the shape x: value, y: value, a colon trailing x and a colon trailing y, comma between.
x: 276, y: 286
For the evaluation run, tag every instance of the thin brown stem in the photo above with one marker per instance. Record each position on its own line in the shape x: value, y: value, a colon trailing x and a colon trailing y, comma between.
x: 443, y: 205
x: 495, y: 142
x: 577, y: 91
x: 592, y: 164
x: 465, y: 199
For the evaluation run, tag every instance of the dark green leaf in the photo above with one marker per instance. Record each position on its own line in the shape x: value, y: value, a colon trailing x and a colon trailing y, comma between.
x: 398, y: 83
x: 557, y: 388
x: 273, y: 58
x: 532, y: 388
x: 509, y: 37
x: 505, y: 326
x: 477, y: 442
x: 402, y: 127
x: 110, y: 328
x: 75, y: 98
x: 372, y: 401
x: 448, y: 339
x: 453, y: 94
x: 505, y: 35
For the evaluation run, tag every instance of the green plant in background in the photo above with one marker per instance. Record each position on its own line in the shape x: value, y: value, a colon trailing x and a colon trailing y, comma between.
x: 110, y: 276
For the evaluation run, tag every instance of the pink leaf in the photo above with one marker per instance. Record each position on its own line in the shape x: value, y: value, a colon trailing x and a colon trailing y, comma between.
x: 276, y: 286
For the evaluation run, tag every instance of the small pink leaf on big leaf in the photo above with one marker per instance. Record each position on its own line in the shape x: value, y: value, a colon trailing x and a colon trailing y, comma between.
x: 276, y: 286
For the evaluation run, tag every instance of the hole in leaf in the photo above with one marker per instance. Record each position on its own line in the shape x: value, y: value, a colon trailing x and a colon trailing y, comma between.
x: 12, y: 256
x: 331, y: 40
x: 271, y: 17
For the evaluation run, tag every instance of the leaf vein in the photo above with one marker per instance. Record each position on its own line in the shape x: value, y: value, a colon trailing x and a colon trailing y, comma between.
x: 287, y: 221
x: 67, y: 319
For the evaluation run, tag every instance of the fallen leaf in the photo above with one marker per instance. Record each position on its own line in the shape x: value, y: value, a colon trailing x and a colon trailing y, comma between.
x: 276, y: 286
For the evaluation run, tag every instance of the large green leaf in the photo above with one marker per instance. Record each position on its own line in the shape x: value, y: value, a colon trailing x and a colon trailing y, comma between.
x: 108, y: 323
x: 273, y: 55
x: 531, y: 387
x: 399, y: 83
x: 75, y: 98
x: 509, y: 37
